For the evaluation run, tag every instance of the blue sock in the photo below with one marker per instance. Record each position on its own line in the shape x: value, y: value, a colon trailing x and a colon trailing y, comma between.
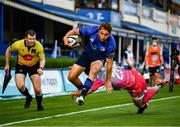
x: 87, y: 85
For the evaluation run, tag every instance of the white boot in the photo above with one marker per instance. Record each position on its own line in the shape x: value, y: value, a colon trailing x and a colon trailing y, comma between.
x: 80, y: 100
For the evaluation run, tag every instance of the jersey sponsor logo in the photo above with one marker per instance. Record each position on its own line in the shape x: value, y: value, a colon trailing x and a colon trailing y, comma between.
x: 27, y: 57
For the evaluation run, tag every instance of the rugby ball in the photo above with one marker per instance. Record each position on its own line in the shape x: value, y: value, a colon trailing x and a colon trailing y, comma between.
x: 74, y: 40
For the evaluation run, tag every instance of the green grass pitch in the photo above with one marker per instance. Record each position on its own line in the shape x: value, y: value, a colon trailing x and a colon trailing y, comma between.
x: 100, y: 109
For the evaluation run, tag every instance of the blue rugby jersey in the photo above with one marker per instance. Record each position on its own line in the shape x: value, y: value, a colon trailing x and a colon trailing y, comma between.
x: 107, y: 48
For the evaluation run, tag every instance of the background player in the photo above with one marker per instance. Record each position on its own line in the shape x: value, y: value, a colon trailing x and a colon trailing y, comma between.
x: 153, y: 60
x: 128, y: 58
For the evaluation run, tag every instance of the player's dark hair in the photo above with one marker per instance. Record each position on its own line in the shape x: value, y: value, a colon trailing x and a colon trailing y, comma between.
x: 107, y: 26
x: 30, y: 32
x: 154, y: 38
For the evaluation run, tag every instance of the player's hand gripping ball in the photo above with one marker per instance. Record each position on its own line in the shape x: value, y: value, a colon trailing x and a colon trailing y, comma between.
x: 74, y: 40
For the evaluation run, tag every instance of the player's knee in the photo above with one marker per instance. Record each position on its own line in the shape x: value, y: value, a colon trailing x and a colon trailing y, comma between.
x: 71, y: 77
x: 21, y: 87
x: 94, y: 70
x: 38, y: 91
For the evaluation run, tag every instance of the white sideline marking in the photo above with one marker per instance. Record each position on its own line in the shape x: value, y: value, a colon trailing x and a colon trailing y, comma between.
x: 78, y: 112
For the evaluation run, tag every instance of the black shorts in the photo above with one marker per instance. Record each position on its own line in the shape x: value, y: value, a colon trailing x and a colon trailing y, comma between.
x: 25, y: 69
x: 153, y: 70
x: 87, y: 58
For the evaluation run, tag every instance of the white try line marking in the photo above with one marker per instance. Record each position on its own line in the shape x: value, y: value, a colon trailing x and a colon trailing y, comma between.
x: 83, y: 111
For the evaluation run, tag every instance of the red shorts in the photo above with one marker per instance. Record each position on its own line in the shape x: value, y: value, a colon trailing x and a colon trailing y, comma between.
x: 139, y: 85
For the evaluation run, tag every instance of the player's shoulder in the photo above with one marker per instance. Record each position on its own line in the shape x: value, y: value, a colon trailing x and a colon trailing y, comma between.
x: 111, y: 42
x: 38, y: 43
x: 95, y: 27
x: 92, y: 28
x: 18, y: 42
x: 112, y: 39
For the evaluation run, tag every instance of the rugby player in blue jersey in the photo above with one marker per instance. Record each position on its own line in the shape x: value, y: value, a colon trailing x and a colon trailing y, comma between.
x: 100, y: 49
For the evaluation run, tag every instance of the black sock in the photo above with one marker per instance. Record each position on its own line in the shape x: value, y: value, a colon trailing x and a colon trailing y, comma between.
x: 79, y: 87
x: 26, y: 93
x: 143, y: 106
x: 39, y: 100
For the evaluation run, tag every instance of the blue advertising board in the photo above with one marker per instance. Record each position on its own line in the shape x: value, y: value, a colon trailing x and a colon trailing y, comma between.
x: 53, y: 82
x: 101, y: 15
x: 11, y: 89
x: 68, y: 86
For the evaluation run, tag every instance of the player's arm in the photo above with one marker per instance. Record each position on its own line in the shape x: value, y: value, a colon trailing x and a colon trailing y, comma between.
x: 7, y: 58
x: 109, y: 63
x: 107, y: 84
x: 161, y: 57
x: 42, y: 61
x: 74, y: 31
x: 41, y: 67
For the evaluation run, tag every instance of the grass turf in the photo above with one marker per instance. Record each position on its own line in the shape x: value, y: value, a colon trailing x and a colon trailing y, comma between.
x: 159, y: 113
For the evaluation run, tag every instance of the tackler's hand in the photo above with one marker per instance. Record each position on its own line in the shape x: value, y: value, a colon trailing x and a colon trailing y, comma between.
x: 108, y: 86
